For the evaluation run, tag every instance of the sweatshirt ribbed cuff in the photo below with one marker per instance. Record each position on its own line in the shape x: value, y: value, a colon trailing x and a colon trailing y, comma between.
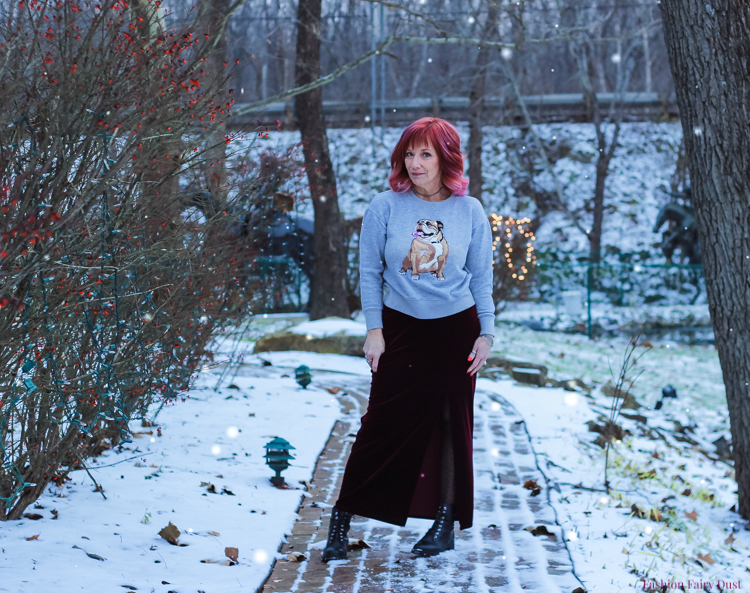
x: 373, y: 318
x: 487, y: 324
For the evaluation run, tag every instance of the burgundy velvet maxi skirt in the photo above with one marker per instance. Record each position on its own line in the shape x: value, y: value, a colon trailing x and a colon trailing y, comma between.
x: 393, y: 471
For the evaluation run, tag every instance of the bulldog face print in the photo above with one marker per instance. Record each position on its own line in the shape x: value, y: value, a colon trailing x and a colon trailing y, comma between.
x: 428, y: 251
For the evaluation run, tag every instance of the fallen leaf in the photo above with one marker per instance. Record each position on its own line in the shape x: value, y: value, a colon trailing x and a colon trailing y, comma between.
x: 38, y: 506
x: 637, y: 511
x: 655, y: 515
x: 625, y: 551
x: 540, y: 530
x: 33, y: 516
x: 296, y: 557
x: 358, y: 545
x: 207, y: 561
x: 333, y: 390
x: 231, y: 553
x: 693, y: 516
x: 94, y: 556
x: 171, y: 533
x: 530, y: 484
x: 33, y: 537
x: 730, y: 539
x: 233, y: 386
x: 214, y: 533
x: 55, y: 513
x: 707, y: 558
x: 224, y: 490
x: 306, y: 484
x: 211, y: 488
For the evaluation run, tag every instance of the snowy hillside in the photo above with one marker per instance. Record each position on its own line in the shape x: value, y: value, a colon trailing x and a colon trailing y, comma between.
x: 640, y: 174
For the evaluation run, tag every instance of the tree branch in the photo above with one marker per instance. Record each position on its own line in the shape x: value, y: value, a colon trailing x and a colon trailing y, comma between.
x: 323, y: 80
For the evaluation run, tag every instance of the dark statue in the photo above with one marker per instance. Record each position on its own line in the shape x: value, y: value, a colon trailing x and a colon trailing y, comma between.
x: 683, y: 234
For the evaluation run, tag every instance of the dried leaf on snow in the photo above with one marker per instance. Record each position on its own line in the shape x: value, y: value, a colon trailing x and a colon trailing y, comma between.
x: 296, y: 557
x: 358, y: 545
x: 693, y: 516
x: 171, y: 533
x: 540, y: 530
x: 533, y: 486
x: 232, y: 553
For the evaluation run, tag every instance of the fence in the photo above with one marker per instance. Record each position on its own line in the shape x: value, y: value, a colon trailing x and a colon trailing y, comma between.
x: 572, y: 296
x: 581, y: 286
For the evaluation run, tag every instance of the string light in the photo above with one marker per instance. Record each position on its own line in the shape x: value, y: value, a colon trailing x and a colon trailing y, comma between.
x: 511, y: 227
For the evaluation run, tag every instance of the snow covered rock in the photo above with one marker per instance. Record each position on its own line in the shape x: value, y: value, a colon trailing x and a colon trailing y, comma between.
x: 332, y: 335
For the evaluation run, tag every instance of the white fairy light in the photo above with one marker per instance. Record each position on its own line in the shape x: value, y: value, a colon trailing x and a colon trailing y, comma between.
x: 233, y: 432
x: 216, y: 449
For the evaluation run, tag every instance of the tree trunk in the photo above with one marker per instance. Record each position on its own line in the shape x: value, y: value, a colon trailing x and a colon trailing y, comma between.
x: 328, y: 284
x: 214, y: 76
x: 707, y: 44
x: 476, y: 103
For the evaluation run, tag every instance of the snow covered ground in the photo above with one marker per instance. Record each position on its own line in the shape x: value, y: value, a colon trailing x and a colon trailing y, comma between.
x: 666, y: 463
x: 203, y: 470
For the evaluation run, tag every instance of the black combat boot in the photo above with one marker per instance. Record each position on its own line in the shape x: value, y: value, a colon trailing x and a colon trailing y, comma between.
x: 337, y: 542
x: 440, y: 537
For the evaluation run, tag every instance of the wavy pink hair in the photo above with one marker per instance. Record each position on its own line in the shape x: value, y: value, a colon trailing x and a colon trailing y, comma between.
x: 443, y: 137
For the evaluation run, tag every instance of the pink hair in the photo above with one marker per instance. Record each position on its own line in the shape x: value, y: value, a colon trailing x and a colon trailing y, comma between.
x: 443, y: 137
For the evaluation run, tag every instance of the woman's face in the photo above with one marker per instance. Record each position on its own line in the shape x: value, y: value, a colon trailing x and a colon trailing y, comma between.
x: 422, y: 165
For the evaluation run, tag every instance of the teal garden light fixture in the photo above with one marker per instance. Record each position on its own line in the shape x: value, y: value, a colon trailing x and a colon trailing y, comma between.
x: 302, y: 375
x: 277, y: 458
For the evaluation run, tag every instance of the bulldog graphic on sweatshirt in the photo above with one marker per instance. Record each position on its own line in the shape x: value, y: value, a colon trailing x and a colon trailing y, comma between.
x: 428, y: 251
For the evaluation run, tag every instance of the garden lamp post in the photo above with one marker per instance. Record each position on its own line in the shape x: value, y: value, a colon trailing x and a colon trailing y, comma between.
x: 302, y: 375
x: 277, y: 458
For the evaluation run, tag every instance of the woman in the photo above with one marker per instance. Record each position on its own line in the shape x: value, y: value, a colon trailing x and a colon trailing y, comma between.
x: 430, y: 247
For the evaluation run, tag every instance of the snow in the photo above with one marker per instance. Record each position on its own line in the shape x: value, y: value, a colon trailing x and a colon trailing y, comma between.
x: 636, y: 188
x: 157, y: 479
x: 329, y: 327
x: 213, y: 437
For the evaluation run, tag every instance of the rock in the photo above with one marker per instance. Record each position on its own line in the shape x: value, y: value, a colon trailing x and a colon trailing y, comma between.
x: 335, y: 344
x: 530, y: 376
x: 630, y: 402
x: 507, y: 365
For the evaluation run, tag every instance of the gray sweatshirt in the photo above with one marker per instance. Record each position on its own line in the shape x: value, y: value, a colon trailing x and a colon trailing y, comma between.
x: 433, y: 259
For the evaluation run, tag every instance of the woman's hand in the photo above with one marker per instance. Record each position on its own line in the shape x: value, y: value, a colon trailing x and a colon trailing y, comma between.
x: 479, y: 355
x: 374, y: 347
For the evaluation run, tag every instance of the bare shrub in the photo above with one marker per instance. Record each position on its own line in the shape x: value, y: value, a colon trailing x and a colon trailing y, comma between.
x: 109, y: 297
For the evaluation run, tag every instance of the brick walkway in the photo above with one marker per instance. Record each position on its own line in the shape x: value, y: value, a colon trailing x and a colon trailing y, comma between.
x: 495, y: 555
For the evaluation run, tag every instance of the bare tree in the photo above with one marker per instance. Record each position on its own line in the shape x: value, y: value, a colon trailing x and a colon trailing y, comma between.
x: 707, y: 46
x: 476, y: 101
x: 328, y: 285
